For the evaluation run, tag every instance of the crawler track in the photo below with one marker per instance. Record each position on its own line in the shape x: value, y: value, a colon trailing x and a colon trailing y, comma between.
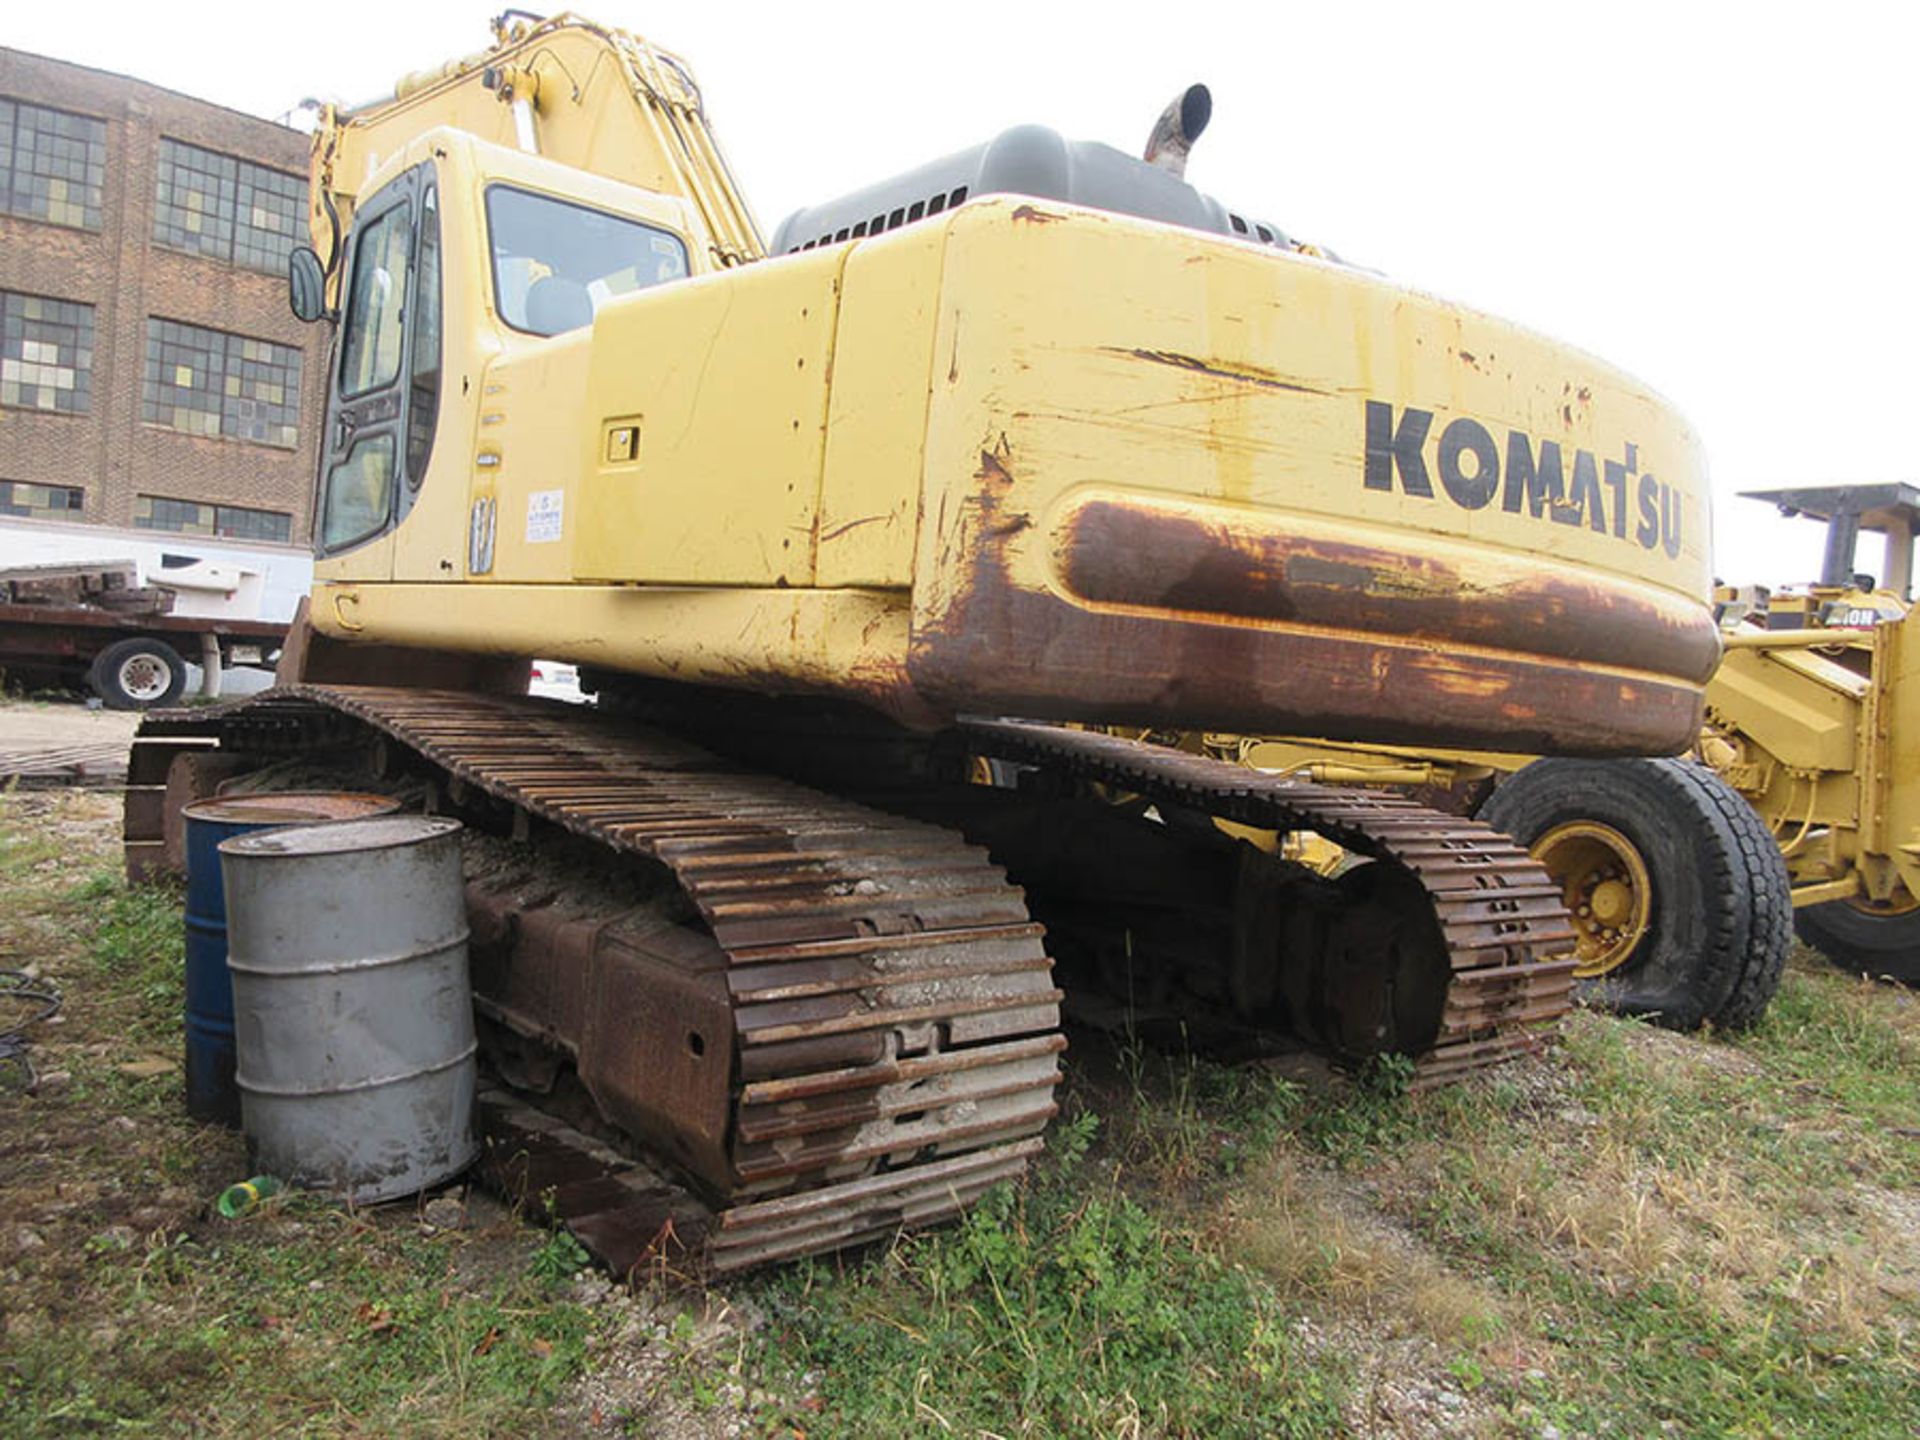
x: 896, y: 1025
x: 1501, y: 917
x: 896, y: 1029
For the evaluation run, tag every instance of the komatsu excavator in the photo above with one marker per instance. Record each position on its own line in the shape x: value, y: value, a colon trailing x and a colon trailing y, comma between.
x: 1038, y: 431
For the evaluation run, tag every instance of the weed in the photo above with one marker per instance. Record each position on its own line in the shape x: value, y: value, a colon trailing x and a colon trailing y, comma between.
x: 138, y: 946
x: 1364, y: 1117
x: 1387, y: 1076
x: 1052, y: 1309
x: 1190, y: 1121
x: 560, y: 1256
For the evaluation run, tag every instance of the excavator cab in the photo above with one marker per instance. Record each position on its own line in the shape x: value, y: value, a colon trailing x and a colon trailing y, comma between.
x: 463, y: 254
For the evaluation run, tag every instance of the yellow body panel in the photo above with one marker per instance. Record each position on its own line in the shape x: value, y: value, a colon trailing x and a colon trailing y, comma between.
x: 1183, y: 367
x: 1040, y: 460
x: 725, y: 379
x: 534, y: 450
x: 877, y: 425
x: 805, y: 641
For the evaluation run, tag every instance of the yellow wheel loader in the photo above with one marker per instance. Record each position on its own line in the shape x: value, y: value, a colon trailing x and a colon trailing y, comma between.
x: 1037, y: 430
x: 1814, y: 716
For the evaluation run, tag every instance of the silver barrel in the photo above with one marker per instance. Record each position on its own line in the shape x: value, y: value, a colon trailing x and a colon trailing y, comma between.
x: 353, y: 1013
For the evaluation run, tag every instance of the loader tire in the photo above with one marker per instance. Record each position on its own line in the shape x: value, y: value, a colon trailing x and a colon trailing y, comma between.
x: 1882, y: 944
x: 1678, y: 891
x: 1770, y: 891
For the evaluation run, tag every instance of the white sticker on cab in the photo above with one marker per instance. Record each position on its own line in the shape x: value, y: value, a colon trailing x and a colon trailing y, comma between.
x: 546, y: 515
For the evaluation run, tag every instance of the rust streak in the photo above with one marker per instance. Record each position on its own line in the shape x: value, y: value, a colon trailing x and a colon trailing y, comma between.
x: 837, y: 531
x: 1034, y: 215
x: 1223, y: 370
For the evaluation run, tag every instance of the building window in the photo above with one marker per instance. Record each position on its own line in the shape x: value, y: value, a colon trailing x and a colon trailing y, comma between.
x: 41, y: 502
x: 272, y: 218
x: 206, y: 382
x: 193, y: 206
x: 46, y: 353
x: 226, y: 209
x: 53, y: 165
x: 188, y: 517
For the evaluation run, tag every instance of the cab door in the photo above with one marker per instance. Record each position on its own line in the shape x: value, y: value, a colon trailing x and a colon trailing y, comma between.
x: 383, y: 390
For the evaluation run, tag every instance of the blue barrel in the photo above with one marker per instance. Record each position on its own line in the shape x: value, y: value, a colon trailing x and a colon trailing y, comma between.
x: 211, y: 1092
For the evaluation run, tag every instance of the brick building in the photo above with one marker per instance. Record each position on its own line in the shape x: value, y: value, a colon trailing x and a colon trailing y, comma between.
x: 151, y: 375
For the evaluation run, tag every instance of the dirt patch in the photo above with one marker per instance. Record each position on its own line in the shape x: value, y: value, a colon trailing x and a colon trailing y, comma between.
x: 34, y: 724
x: 1689, y: 1053
x: 667, y: 1364
x: 1384, y: 1302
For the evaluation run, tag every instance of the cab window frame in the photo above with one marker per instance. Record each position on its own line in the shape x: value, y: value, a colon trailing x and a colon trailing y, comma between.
x: 654, y: 229
x: 352, y: 323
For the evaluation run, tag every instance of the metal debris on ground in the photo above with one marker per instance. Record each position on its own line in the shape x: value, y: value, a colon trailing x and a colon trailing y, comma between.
x: 98, y: 762
x: 17, y: 987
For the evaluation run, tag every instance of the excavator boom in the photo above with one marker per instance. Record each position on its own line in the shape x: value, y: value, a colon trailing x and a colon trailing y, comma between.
x: 580, y: 94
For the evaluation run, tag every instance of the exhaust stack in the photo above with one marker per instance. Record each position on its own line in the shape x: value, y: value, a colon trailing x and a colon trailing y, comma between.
x: 1177, y: 128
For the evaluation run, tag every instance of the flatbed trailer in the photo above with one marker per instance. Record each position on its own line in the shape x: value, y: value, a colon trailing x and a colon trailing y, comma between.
x: 130, y: 660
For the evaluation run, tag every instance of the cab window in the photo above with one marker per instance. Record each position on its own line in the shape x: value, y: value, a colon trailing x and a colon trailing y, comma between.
x: 556, y: 263
x: 423, y: 366
x: 376, y: 305
x: 359, y: 493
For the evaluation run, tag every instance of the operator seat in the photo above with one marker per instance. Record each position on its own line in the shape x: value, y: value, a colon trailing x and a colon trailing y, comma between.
x: 556, y: 305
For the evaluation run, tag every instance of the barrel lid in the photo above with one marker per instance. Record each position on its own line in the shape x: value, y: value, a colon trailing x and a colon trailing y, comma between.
x: 389, y: 832
x: 291, y: 807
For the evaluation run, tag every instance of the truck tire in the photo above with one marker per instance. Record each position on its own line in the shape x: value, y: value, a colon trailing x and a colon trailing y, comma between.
x: 138, y: 673
x: 1881, y: 943
x: 1679, y: 893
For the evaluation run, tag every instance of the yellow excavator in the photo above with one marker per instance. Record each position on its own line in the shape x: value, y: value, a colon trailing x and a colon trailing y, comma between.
x: 834, y: 525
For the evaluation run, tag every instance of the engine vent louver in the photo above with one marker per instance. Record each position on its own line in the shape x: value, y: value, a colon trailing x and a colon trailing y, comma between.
x: 892, y: 220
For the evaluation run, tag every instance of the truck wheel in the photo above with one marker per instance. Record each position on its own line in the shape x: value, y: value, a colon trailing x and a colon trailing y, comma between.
x: 134, y: 674
x: 1680, y: 898
x: 1879, y: 940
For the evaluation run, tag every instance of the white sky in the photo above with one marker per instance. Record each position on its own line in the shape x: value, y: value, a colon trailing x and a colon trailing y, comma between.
x: 1720, y: 198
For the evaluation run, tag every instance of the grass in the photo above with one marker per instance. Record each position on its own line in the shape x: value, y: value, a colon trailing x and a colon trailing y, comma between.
x: 1646, y: 1234
x: 1704, y: 1227
x: 297, y: 1323
x: 1065, y: 1307
x: 1639, y: 1234
x: 128, y: 1306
